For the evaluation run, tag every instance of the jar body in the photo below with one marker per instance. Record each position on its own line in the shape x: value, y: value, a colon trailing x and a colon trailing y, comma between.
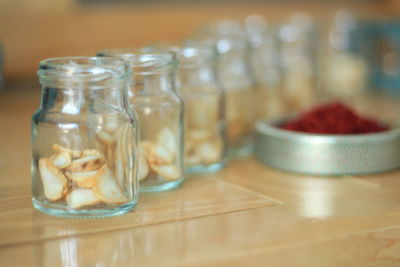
x: 161, y: 140
x: 298, y: 63
x: 205, y: 136
x: 345, y: 69
x: 84, y: 143
x: 267, y: 79
x: 299, y: 80
x: 236, y: 81
x: 159, y: 108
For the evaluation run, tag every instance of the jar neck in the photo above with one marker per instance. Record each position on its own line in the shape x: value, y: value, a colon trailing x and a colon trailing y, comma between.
x: 77, y: 100
x: 152, y: 83
x: 198, y: 75
x: 233, y: 69
x: 235, y: 56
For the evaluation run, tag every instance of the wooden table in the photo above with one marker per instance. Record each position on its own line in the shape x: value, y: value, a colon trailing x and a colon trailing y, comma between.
x: 245, y: 215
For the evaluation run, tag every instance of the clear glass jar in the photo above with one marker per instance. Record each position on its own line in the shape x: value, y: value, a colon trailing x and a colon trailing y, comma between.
x: 235, y: 79
x: 84, y: 139
x: 345, y: 67
x: 264, y: 62
x: 160, y: 111
x: 298, y: 46
x: 204, y: 109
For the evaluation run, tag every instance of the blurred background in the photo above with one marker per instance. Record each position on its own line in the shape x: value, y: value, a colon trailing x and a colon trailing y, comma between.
x: 344, y: 47
x: 33, y: 30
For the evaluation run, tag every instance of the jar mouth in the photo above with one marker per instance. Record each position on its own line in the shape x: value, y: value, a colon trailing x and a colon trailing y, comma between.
x: 93, y: 70
x: 192, y: 56
x: 224, y: 43
x: 143, y: 62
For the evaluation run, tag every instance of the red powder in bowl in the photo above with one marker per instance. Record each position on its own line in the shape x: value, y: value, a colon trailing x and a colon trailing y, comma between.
x: 333, y: 118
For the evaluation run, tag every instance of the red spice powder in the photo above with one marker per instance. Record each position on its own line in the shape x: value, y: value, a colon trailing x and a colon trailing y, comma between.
x: 333, y: 118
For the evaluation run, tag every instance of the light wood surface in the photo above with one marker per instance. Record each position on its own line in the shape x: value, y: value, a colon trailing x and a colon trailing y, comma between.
x: 245, y: 215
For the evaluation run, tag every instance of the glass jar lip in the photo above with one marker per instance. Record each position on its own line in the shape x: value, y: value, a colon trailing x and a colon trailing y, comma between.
x: 141, y: 61
x: 187, y: 55
x: 224, y: 43
x: 82, y: 69
x: 82, y: 63
x: 191, y: 55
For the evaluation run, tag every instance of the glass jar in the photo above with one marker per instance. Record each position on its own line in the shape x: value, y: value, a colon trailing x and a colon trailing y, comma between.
x: 298, y: 46
x: 84, y: 139
x: 264, y: 62
x: 160, y: 111
x: 204, y: 109
x: 235, y: 79
x: 345, y: 67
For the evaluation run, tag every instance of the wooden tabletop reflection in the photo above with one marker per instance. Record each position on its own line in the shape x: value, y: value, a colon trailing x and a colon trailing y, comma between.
x: 245, y: 215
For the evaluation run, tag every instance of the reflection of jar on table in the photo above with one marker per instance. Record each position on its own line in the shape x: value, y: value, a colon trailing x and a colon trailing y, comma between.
x: 84, y: 139
x: 160, y: 113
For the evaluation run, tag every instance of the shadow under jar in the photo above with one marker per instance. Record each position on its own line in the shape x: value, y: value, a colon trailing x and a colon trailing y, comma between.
x: 160, y: 111
x: 204, y: 109
x: 84, y: 139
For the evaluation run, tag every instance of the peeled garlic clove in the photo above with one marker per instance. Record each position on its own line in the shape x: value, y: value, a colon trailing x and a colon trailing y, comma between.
x: 89, y: 163
x: 111, y: 122
x: 120, y: 153
x: 236, y: 128
x: 145, y: 147
x: 105, y: 138
x: 166, y: 138
x: 73, y: 153
x: 168, y: 172
x: 197, y: 136
x: 106, y: 187
x: 91, y: 152
x: 82, y: 179
x: 55, y: 184
x: 189, y: 147
x: 62, y: 159
x: 160, y: 156
x: 110, y: 156
x: 208, y: 152
x: 192, y: 160
x: 79, y: 198
x: 119, y: 171
x: 143, y: 167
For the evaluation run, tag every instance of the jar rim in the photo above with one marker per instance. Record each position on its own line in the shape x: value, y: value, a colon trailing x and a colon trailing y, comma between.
x: 82, y: 69
x: 224, y: 43
x: 141, y: 61
x: 192, y: 55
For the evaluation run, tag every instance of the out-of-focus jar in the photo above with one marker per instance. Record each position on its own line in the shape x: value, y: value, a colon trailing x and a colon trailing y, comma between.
x: 160, y: 111
x: 346, y: 70
x: 234, y: 76
x: 84, y: 139
x: 204, y: 109
x: 298, y: 45
x: 264, y: 62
